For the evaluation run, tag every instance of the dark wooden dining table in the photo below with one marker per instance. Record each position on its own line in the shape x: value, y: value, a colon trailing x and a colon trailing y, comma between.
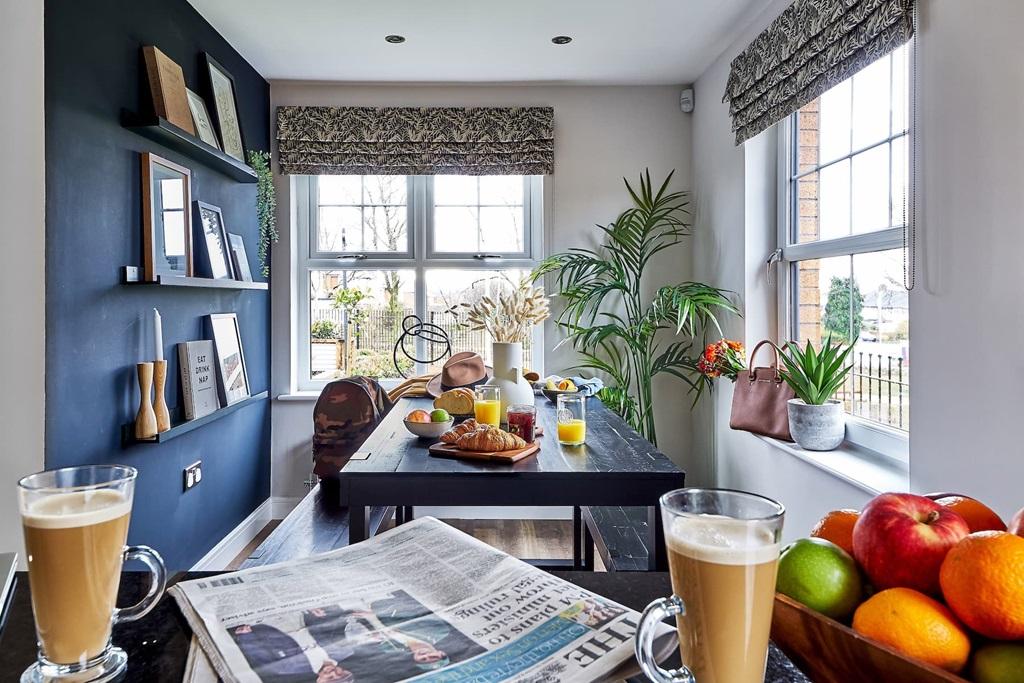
x: 615, y: 467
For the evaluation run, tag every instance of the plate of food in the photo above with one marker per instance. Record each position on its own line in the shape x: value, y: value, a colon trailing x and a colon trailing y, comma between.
x: 477, y: 441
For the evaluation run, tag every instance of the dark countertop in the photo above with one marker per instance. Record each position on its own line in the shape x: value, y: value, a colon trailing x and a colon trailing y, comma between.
x: 158, y: 643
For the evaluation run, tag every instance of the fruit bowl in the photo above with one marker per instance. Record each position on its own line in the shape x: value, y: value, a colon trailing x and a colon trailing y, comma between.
x: 428, y: 430
x: 553, y: 394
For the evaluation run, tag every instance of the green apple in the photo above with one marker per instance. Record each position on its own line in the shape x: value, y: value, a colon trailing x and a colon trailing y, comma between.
x: 999, y: 663
x: 439, y: 415
x: 821, y: 575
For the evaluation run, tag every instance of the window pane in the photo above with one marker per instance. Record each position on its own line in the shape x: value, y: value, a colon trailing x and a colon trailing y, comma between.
x: 822, y: 287
x: 871, y: 190
x: 835, y: 122
x: 447, y: 288
x: 835, y: 200
x: 871, y: 93
x: 900, y: 180
x: 362, y: 214
x: 340, y: 189
x: 879, y: 388
x: 900, y: 89
x: 479, y: 214
x: 356, y: 317
x: 456, y: 228
x: 455, y: 189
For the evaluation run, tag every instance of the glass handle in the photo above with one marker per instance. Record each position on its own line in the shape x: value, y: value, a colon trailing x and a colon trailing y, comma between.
x: 155, y: 563
x: 657, y: 612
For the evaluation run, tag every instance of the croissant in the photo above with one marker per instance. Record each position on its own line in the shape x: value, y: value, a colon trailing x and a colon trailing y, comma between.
x: 488, y: 438
x: 456, y: 401
x: 453, y: 434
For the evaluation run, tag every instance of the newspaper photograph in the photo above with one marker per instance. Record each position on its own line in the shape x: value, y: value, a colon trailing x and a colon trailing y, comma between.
x: 421, y: 602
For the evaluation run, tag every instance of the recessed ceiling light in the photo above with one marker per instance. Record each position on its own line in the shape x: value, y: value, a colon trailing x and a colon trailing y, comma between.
x: 561, y: 40
x: 395, y: 39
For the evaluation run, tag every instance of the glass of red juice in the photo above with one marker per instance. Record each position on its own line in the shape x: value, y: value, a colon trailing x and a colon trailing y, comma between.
x: 522, y: 421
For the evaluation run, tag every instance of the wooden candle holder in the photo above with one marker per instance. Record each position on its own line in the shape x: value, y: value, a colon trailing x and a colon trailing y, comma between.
x: 163, y: 416
x: 145, y: 419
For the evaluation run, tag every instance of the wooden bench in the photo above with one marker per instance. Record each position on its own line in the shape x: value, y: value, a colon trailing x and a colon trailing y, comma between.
x: 620, y: 536
x: 316, y: 525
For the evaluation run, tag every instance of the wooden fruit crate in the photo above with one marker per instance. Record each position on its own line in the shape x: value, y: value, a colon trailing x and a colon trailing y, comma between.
x: 829, y: 652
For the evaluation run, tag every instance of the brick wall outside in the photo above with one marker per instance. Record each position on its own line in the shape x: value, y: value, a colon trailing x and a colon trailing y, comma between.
x: 808, y: 278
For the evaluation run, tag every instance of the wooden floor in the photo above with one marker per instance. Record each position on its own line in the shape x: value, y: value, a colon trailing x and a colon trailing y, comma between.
x: 528, y: 538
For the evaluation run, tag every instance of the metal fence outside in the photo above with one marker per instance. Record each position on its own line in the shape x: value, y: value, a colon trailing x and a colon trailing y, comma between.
x: 879, y: 389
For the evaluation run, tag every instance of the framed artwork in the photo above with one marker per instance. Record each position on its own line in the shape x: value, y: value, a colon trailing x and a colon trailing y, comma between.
x: 225, y: 108
x: 166, y: 220
x: 201, y: 119
x: 167, y: 88
x: 215, y: 255
x: 227, y: 341
x: 239, y: 258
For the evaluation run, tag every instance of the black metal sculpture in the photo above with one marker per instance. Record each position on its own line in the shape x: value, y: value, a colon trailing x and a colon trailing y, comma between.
x: 414, y: 328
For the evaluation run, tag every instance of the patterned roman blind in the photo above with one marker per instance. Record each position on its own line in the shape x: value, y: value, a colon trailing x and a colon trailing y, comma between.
x: 810, y: 47
x: 416, y: 141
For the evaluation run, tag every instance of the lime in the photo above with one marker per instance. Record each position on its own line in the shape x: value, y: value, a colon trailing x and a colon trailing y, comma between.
x: 999, y: 663
x: 821, y: 575
x: 439, y: 415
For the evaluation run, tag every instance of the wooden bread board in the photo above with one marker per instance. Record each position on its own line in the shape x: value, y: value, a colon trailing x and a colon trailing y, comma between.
x: 447, y: 450
x: 830, y: 652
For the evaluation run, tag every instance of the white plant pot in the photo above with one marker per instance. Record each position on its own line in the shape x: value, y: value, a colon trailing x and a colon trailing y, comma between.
x: 508, y: 375
x: 816, y: 428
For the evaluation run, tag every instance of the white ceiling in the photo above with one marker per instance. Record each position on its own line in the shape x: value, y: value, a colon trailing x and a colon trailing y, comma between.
x: 615, y: 41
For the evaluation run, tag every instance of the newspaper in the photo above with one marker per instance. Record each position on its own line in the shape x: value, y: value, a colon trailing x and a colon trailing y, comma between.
x: 421, y: 602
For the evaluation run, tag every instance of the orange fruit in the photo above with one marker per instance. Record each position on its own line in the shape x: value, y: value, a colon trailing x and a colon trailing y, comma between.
x: 916, y: 625
x: 837, y: 526
x: 979, y: 517
x: 982, y: 579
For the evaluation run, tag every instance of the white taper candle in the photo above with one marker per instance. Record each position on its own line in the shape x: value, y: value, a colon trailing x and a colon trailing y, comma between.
x: 158, y: 335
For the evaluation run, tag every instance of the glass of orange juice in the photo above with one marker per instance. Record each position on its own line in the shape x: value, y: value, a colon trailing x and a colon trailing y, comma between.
x: 572, y: 419
x: 487, y: 406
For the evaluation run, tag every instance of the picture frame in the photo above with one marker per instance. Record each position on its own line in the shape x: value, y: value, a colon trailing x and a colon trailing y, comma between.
x: 239, y: 258
x: 167, y: 88
x: 166, y: 219
x: 201, y: 119
x: 212, y: 238
x: 227, y: 342
x: 225, y: 108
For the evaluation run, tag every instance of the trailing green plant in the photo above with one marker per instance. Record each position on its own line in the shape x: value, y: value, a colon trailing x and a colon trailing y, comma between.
x: 323, y: 329
x: 815, y: 376
x: 266, y: 206
x: 613, y: 327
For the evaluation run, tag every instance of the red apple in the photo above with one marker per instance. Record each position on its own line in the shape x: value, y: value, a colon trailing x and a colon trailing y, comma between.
x: 1017, y: 523
x: 901, y: 540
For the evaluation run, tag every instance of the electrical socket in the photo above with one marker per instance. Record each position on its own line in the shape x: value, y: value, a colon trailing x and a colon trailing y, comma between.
x: 192, y: 475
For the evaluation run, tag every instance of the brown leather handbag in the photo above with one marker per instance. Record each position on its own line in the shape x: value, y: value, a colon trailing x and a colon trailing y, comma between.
x: 759, y: 399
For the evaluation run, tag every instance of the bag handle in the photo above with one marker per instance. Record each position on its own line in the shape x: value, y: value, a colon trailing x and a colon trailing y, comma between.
x: 775, y: 349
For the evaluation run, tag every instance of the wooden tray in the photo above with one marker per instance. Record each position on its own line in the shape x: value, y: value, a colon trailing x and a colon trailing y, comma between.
x: 829, y: 652
x: 447, y: 450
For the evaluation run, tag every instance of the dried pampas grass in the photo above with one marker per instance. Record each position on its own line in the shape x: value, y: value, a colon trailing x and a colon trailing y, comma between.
x: 509, y: 315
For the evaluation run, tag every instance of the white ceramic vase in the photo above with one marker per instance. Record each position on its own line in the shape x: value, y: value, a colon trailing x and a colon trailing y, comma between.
x: 508, y: 375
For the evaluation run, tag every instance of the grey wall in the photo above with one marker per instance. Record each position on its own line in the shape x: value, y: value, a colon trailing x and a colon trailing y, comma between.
x: 965, y: 324
x: 602, y: 134
x: 22, y: 260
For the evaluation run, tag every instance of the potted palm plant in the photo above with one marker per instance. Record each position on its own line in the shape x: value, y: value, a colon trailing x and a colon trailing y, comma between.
x: 816, y: 419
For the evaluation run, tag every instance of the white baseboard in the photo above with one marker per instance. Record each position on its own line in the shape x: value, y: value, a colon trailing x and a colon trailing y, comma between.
x: 537, y: 512
x: 222, y: 554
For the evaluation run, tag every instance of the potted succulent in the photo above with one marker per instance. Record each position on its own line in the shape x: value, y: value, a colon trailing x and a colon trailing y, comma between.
x: 816, y: 420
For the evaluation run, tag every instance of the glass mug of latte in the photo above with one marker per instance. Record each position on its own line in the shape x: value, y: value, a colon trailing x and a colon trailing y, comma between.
x: 75, y: 522
x: 723, y: 552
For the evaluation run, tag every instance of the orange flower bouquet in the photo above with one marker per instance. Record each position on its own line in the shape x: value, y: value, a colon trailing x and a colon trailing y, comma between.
x: 723, y: 358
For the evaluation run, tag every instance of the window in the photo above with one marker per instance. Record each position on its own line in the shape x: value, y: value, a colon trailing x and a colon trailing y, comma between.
x: 842, y: 237
x: 375, y: 249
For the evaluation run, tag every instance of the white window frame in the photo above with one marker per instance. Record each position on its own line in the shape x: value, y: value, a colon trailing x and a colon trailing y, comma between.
x: 419, y: 259
x: 877, y: 437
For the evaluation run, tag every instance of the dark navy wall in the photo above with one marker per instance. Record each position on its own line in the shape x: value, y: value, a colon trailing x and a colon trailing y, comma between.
x: 96, y: 328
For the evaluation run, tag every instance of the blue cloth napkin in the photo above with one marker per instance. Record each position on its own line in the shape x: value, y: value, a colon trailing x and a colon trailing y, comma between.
x: 588, y: 386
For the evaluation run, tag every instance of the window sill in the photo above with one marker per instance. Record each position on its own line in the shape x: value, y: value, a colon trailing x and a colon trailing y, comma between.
x: 314, y: 394
x: 868, y: 470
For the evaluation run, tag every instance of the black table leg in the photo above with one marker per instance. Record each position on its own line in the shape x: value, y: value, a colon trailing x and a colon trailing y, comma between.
x: 358, y: 529
x: 588, y: 549
x: 657, y: 558
x: 410, y: 513
x: 399, y: 515
x: 577, y: 537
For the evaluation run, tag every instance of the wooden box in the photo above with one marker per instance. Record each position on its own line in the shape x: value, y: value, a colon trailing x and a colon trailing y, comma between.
x: 830, y: 652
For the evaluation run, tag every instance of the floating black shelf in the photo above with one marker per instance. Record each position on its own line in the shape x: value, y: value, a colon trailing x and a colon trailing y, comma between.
x: 169, y: 135
x: 176, y: 430
x: 129, y: 276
